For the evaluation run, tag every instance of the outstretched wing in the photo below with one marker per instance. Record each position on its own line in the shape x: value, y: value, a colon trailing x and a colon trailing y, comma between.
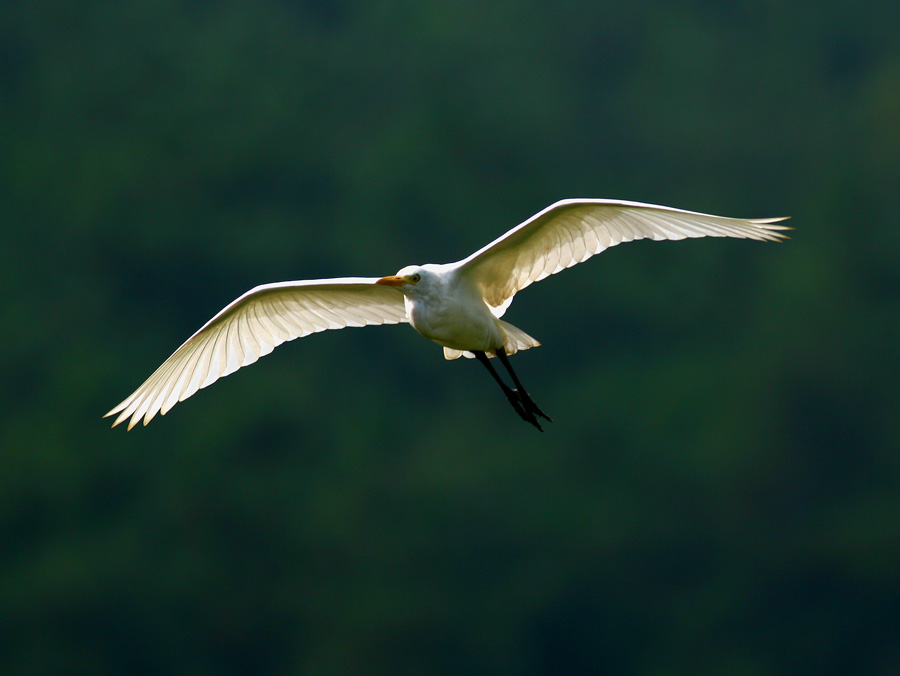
x: 571, y: 231
x: 253, y: 326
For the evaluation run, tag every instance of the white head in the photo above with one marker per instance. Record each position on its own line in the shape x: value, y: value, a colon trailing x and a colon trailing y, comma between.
x: 413, y: 280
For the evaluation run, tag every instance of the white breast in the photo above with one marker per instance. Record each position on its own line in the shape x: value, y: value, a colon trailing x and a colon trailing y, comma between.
x: 452, y: 312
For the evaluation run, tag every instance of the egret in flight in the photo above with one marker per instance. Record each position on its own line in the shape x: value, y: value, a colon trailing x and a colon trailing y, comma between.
x: 457, y: 305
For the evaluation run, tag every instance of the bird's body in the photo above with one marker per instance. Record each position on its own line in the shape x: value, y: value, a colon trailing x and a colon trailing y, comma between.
x: 449, y: 308
x: 457, y: 305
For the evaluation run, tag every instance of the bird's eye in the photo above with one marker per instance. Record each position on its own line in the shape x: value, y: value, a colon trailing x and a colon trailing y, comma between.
x: 416, y: 277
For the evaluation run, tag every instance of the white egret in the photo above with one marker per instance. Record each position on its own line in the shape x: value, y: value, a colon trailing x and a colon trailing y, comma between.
x: 457, y: 305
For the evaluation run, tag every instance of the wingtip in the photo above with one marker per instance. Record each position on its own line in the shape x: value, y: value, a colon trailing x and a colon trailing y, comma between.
x: 119, y: 420
x: 110, y: 413
x: 116, y: 423
x: 771, y: 222
x: 773, y: 232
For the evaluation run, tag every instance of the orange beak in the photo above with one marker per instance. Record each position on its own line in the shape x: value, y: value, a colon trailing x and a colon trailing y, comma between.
x: 393, y: 280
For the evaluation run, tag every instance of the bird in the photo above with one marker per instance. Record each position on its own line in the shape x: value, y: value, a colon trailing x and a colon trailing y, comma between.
x: 457, y: 305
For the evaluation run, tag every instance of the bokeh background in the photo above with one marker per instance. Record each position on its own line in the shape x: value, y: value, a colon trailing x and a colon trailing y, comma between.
x: 720, y: 492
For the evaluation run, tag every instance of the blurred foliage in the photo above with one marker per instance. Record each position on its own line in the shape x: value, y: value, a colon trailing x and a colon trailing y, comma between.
x: 720, y: 492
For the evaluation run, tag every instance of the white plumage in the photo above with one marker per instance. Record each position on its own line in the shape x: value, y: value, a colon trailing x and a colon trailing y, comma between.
x: 458, y: 305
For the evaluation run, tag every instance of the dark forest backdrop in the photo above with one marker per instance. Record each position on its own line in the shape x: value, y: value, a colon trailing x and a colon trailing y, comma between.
x: 720, y: 492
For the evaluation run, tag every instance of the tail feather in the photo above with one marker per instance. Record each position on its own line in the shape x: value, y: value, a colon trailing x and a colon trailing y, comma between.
x: 515, y: 339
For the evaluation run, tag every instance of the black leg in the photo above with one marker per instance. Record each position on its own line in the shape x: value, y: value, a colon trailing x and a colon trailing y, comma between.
x: 525, y: 398
x: 524, y: 407
x: 508, y: 391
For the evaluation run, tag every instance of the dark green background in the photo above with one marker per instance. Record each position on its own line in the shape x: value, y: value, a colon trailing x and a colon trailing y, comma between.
x: 720, y: 492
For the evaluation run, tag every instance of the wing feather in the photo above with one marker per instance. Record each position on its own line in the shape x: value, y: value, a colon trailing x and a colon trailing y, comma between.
x: 571, y: 231
x: 254, y: 325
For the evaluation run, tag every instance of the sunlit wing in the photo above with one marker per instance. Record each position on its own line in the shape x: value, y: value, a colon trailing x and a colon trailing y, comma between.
x: 571, y: 231
x: 254, y: 325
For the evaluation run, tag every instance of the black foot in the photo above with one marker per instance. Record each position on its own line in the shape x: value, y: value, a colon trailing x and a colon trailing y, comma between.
x: 530, y: 406
x: 517, y: 396
x: 526, y: 408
